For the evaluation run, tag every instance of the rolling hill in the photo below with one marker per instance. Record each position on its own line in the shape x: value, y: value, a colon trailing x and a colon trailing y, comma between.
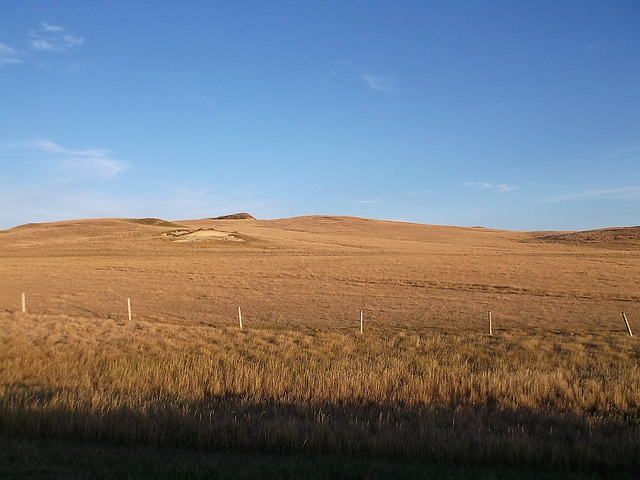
x: 322, y: 270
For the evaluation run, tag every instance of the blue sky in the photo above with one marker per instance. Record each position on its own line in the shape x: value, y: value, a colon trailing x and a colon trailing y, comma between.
x: 515, y: 115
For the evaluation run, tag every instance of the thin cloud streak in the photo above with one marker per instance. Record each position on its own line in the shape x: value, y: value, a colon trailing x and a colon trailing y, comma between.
x: 381, y: 83
x: 49, y: 146
x: 623, y: 161
x: 623, y: 193
x: 503, y: 187
x: 93, y: 163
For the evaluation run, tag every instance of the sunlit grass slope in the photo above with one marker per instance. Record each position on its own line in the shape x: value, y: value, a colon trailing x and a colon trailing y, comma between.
x: 556, y: 386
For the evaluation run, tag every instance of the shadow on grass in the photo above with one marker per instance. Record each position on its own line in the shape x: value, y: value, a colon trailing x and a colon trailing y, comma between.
x: 240, y: 435
x: 52, y: 459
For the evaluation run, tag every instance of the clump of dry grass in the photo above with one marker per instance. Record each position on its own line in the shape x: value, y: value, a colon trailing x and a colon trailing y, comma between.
x: 534, y: 399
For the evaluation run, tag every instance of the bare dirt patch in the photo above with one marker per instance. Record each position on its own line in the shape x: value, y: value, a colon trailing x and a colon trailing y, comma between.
x: 190, y: 235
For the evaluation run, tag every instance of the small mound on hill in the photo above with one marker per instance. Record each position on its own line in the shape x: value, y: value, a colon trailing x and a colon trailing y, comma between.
x: 155, y: 222
x: 235, y: 216
x: 622, y: 236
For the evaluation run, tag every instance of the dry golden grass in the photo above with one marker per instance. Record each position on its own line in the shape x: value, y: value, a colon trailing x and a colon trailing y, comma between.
x: 558, y: 384
x: 320, y: 272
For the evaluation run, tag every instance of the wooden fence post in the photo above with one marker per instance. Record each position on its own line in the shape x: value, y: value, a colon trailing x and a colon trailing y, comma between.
x: 626, y: 322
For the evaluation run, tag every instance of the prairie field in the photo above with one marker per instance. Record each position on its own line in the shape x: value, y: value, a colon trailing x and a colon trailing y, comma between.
x: 300, y: 391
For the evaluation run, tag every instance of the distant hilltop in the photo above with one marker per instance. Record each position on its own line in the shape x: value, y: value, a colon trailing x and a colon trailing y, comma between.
x: 235, y: 216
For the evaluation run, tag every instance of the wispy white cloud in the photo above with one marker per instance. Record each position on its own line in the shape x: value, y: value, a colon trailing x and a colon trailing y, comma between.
x: 478, y: 185
x: 74, y: 164
x: 370, y: 202
x: 502, y: 187
x: 6, y: 50
x: 381, y: 83
x: 53, y: 38
x: 9, y: 55
x: 622, y: 193
x: 48, y: 38
x: 47, y: 27
x: 347, y: 74
x: 47, y: 181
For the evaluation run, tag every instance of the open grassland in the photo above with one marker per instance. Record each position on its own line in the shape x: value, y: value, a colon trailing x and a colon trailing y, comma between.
x: 556, y: 387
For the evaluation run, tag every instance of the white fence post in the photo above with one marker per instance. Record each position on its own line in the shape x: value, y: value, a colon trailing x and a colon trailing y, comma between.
x: 240, y: 317
x: 129, y: 307
x: 626, y: 322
